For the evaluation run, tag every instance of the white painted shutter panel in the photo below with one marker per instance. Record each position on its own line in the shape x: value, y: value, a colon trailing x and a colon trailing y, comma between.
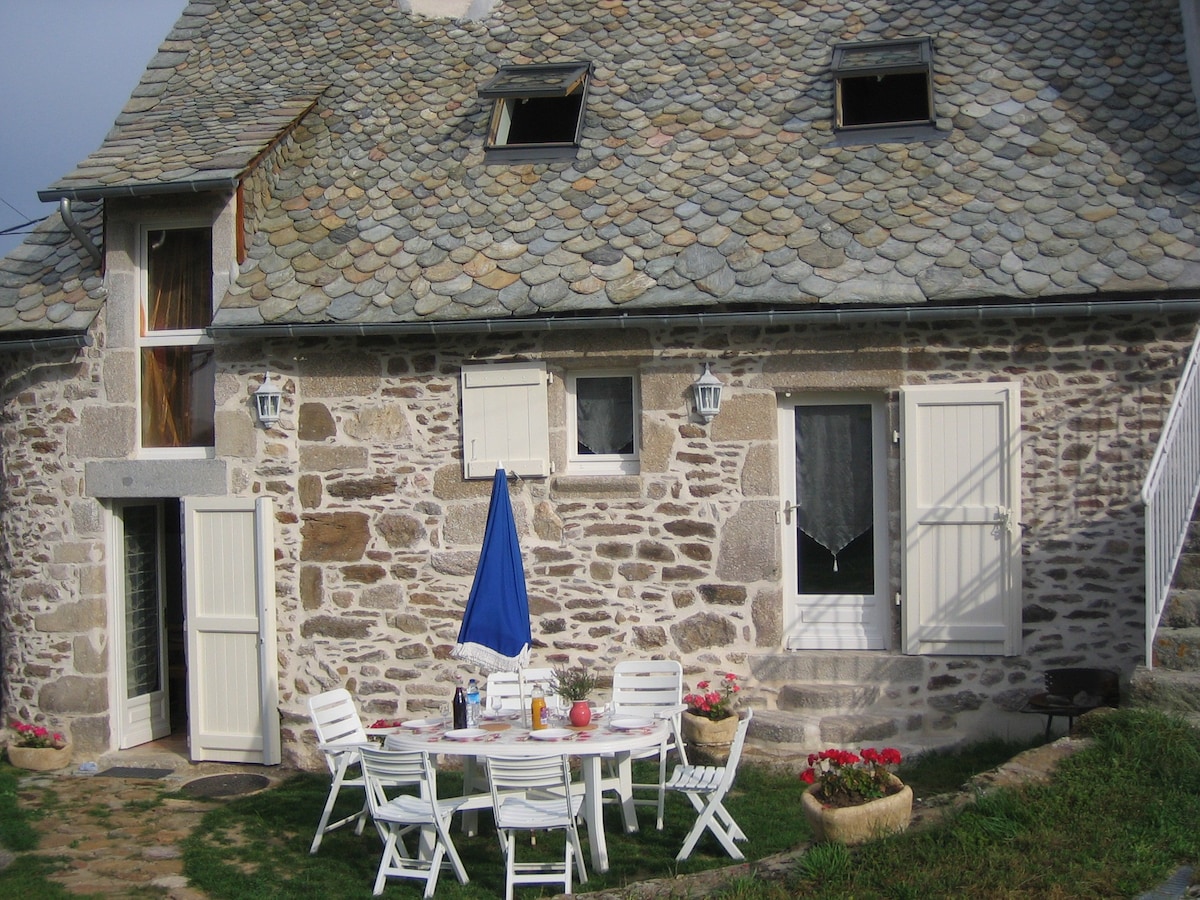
x: 233, y: 687
x: 961, y: 467
x: 505, y: 419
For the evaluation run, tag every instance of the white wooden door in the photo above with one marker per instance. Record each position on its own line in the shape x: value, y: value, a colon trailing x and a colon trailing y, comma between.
x: 230, y: 607
x: 960, y: 458
x: 834, y: 522
x: 139, y: 630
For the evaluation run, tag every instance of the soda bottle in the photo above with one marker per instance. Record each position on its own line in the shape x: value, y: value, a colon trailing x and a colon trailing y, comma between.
x: 537, y: 708
x: 460, y: 707
x: 473, y: 704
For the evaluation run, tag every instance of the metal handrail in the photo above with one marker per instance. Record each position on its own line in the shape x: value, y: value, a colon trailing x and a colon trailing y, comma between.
x: 1169, y: 493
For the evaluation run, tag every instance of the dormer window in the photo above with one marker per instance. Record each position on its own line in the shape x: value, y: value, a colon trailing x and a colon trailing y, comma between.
x: 537, y: 111
x: 884, y: 85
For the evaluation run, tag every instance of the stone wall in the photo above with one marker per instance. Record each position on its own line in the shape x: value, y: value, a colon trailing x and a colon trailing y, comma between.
x: 377, y: 533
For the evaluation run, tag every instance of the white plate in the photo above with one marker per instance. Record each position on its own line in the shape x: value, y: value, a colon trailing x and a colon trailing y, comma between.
x: 466, y: 734
x: 503, y: 716
x: 630, y: 723
x: 552, y: 734
x: 418, y: 724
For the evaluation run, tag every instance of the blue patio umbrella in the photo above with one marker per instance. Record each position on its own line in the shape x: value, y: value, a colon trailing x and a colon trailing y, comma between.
x: 495, y: 630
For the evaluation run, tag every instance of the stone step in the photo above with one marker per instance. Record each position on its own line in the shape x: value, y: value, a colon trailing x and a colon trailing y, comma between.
x: 857, y: 729
x: 1165, y: 689
x: 1187, y: 572
x: 1177, y: 649
x: 837, y: 666
x: 788, y: 737
x: 1183, y: 609
x: 824, y: 696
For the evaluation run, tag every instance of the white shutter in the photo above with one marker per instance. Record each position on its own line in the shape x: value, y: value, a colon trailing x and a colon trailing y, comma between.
x: 961, y: 469
x: 505, y: 419
x: 233, y: 687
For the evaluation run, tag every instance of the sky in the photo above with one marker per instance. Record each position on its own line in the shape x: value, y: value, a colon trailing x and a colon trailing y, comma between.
x: 66, y: 69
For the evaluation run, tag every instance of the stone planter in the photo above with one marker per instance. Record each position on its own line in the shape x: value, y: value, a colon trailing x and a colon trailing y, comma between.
x: 40, y: 759
x: 708, y: 740
x: 856, y: 824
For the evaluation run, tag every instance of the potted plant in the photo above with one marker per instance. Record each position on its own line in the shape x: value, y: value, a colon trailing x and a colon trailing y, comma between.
x: 37, y: 748
x: 710, y: 721
x: 852, y: 797
x: 575, y: 684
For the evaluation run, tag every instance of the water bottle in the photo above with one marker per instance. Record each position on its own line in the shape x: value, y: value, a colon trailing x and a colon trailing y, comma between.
x: 473, y: 707
x: 460, y: 707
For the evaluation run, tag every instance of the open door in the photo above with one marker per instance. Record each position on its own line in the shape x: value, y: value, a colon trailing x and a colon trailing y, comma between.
x: 230, y: 608
x: 961, y: 466
x: 139, y: 630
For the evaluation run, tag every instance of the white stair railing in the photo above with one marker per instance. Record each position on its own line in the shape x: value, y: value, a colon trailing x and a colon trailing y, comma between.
x: 1170, y: 491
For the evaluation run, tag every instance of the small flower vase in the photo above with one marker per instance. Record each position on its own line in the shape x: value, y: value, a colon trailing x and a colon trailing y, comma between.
x: 857, y: 824
x: 580, y: 713
x: 40, y: 759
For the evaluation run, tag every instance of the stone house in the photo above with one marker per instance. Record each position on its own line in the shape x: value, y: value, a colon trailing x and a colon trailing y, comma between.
x: 941, y: 257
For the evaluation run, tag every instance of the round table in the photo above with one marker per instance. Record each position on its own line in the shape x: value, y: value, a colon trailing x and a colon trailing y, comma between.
x: 590, y: 744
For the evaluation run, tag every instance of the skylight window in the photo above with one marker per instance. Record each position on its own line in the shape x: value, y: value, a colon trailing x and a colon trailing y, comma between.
x: 537, y: 111
x: 884, y: 84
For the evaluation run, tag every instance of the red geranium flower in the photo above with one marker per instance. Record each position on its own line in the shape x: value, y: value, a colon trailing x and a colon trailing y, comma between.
x: 848, y: 779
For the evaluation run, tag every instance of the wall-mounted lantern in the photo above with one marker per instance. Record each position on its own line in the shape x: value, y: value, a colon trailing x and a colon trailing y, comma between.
x: 266, y: 401
x: 707, y: 393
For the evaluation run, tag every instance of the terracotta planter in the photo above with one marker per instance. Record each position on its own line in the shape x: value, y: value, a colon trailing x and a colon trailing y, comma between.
x: 856, y: 824
x: 40, y: 759
x: 580, y: 713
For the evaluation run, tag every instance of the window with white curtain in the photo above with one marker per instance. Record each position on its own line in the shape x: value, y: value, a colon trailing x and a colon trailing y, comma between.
x: 177, y: 368
x: 602, y: 418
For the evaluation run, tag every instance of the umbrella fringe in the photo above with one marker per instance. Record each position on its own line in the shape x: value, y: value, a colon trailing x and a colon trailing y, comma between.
x: 489, y: 659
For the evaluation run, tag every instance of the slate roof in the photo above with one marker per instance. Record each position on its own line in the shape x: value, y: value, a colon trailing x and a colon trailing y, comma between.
x: 183, y: 144
x: 709, y: 177
x: 48, y: 284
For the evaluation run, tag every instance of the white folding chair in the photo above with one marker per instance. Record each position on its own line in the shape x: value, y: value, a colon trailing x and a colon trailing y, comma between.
x: 395, y: 814
x: 706, y: 787
x: 506, y: 686
x: 652, y: 689
x: 341, y: 736
x: 535, y: 794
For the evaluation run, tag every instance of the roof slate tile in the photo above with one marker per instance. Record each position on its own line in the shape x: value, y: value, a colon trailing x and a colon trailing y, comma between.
x: 709, y: 174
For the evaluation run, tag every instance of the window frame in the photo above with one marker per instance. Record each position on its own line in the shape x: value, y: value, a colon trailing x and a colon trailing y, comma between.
x: 170, y: 338
x: 845, y: 67
x: 542, y: 81
x: 602, y: 463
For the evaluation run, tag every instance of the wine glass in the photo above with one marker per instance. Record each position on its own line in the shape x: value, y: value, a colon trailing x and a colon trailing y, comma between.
x: 497, y: 703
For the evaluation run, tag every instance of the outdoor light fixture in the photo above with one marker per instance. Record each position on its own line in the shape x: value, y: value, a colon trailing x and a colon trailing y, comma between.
x: 707, y: 391
x: 266, y: 401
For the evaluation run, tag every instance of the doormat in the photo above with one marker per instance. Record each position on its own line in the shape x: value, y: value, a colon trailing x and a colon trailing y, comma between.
x: 132, y: 772
x: 225, y: 785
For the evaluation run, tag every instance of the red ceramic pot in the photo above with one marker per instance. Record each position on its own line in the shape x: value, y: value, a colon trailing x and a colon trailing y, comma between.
x: 580, y: 714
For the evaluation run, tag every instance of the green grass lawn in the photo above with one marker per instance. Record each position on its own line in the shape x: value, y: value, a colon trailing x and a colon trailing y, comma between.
x: 258, y: 846
x: 1118, y: 818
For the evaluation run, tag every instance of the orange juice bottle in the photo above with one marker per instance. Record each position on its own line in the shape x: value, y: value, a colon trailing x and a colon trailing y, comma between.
x: 537, y: 708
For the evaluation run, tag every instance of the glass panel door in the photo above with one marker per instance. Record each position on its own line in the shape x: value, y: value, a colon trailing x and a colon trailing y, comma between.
x: 835, y: 560
x: 142, y: 666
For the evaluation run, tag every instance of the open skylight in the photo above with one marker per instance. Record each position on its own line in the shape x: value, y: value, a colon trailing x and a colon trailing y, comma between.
x: 537, y: 111
x: 884, y: 84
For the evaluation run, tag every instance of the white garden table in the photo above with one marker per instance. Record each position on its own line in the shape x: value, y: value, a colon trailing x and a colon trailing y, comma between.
x: 590, y: 745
